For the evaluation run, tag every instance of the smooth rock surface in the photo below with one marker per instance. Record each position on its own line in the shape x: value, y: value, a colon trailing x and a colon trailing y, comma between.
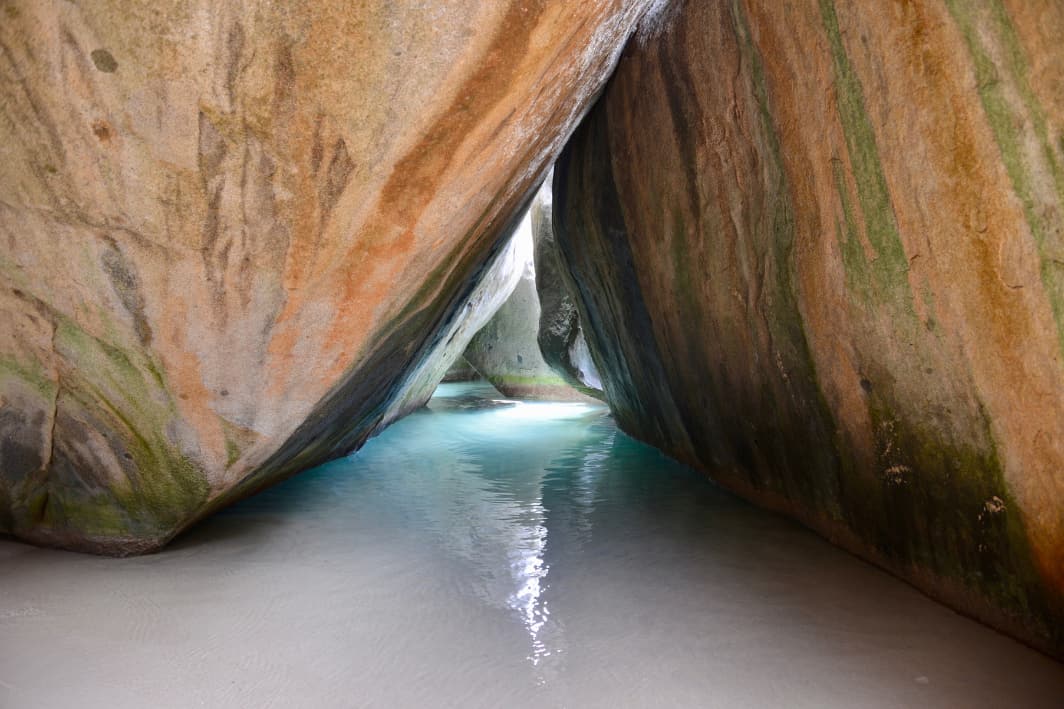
x: 819, y: 249
x: 561, y: 337
x: 506, y: 350
x: 233, y: 230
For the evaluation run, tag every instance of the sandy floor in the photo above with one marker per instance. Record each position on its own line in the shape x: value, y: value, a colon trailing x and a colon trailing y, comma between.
x: 494, y: 555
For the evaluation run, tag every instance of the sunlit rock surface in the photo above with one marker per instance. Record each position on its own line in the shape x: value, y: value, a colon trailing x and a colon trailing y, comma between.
x: 818, y: 251
x: 561, y: 339
x: 506, y: 350
x: 232, y: 230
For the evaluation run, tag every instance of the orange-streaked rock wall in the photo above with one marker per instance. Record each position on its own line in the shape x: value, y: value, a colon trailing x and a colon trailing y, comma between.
x: 819, y: 249
x: 230, y: 230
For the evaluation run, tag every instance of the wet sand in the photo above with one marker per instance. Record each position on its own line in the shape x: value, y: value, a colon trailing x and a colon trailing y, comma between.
x: 485, y: 553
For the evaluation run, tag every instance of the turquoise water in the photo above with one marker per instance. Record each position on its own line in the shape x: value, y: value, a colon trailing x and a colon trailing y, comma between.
x: 490, y: 553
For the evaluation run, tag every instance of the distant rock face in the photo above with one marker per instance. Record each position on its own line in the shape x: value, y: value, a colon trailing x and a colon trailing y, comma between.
x: 233, y: 232
x: 506, y: 351
x: 561, y: 339
x: 461, y: 371
x: 819, y: 252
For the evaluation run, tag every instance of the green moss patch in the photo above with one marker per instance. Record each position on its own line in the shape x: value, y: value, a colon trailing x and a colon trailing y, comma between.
x: 1013, y: 125
x: 882, y: 279
x: 164, y: 487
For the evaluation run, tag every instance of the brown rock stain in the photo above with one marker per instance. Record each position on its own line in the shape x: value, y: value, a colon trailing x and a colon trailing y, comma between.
x: 102, y: 130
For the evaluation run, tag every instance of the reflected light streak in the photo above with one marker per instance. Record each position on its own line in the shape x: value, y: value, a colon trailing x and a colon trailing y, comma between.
x: 543, y: 410
x: 529, y: 572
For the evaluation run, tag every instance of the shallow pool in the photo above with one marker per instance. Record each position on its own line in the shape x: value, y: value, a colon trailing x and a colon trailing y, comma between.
x: 491, y: 553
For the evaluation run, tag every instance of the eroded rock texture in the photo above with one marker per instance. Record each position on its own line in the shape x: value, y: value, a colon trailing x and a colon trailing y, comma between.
x: 818, y: 249
x: 233, y: 232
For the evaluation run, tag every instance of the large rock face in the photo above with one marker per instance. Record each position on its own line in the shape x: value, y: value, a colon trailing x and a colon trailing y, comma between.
x: 819, y: 252
x: 234, y: 231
